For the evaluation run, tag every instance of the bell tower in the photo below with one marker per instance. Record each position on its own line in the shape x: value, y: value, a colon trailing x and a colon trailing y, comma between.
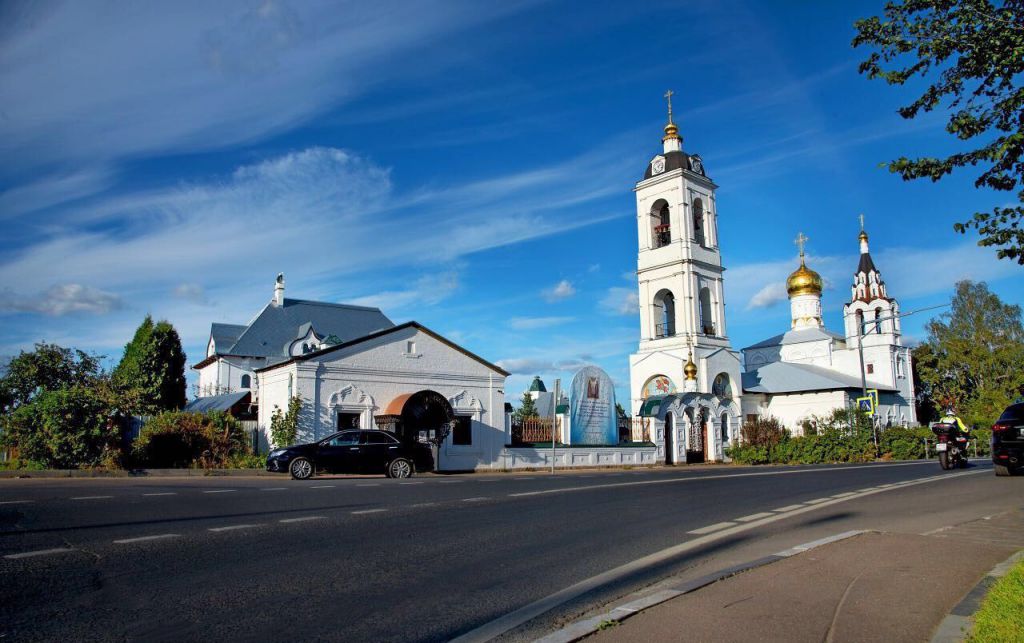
x: 679, y: 273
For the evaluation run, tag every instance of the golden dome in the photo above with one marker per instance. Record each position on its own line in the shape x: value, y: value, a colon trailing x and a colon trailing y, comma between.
x: 803, y: 281
x: 671, y: 131
x: 863, y: 236
x: 690, y: 370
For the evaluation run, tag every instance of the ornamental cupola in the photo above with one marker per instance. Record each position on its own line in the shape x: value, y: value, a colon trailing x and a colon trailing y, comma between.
x: 867, y: 281
x: 804, y: 288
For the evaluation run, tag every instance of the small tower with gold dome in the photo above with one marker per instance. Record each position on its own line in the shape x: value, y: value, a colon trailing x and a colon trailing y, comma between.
x: 804, y: 289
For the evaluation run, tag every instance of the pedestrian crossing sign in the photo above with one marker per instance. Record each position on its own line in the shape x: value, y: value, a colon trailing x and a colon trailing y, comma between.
x: 866, y: 405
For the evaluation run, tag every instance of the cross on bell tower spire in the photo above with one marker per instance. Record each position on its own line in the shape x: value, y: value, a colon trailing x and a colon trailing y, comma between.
x: 672, y: 140
x: 800, y: 241
x: 668, y: 96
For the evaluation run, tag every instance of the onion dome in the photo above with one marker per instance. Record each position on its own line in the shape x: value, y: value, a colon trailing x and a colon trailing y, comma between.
x: 690, y: 370
x: 671, y: 131
x: 803, y: 281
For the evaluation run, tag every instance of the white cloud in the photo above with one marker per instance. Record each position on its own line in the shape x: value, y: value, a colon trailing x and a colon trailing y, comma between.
x: 53, y: 190
x: 562, y: 290
x: 768, y: 296
x: 63, y: 299
x: 426, y: 290
x: 621, y: 301
x: 536, y: 366
x: 191, y: 292
x: 532, y: 323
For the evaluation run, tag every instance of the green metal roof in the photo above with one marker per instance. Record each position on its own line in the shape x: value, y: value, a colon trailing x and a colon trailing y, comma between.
x: 652, y: 405
x: 538, y: 385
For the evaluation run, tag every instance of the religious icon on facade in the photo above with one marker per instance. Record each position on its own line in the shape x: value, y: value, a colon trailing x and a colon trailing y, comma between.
x: 593, y: 388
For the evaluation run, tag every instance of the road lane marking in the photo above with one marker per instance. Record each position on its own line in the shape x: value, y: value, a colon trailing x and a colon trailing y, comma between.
x: 165, y: 493
x: 91, y: 497
x: 763, y: 514
x: 709, y: 477
x: 407, y: 483
x: 424, y: 504
x: 816, y: 501
x: 231, y: 527
x: 844, y: 495
x: 324, y: 486
x: 718, y: 526
x: 302, y: 519
x: 40, y: 552
x: 220, y: 491
x: 449, y: 481
x: 787, y: 508
x: 477, y: 499
x: 145, y: 538
x: 372, y: 484
x: 367, y: 511
x: 16, y: 502
x: 527, y: 613
x: 274, y: 489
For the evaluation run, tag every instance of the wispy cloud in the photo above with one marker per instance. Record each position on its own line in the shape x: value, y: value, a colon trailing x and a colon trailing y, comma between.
x: 60, y: 300
x: 621, y: 301
x: 533, y: 323
x: 191, y: 292
x: 562, y: 290
x: 768, y: 296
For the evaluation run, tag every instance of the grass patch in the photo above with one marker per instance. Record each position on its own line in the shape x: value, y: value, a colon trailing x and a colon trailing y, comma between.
x: 1001, y: 616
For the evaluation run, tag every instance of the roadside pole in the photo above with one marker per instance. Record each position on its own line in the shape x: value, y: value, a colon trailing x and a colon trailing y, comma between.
x: 554, y: 421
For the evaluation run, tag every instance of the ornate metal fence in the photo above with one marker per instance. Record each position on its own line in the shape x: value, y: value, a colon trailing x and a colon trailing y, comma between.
x: 535, y: 429
x: 635, y: 429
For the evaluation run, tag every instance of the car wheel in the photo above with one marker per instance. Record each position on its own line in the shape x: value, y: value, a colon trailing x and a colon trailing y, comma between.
x: 301, y: 469
x: 400, y: 468
x: 1002, y: 470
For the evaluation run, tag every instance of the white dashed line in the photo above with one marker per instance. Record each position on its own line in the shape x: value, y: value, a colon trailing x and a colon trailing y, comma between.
x: 220, y: 491
x: 91, y: 497
x: 372, y: 484
x: 302, y: 519
x: 787, y: 508
x: 449, y: 481
x: 165, y: 493
x: 145, y: 538
x: 408, y: 483
x: 478, y: 499
x: 710, y: 528
x: 231, y: 527
x: 424, y: 504
x: 324, y: 486
x: 763, y: 514
x: 816, y: 501
x: 274, y: 489
x: 367, y: 511
x: 16, y: 502
x: 39, y: 552
x: 843, y: 495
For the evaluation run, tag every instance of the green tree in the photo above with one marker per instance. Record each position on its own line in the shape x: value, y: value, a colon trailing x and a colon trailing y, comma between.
x: 925, y: 405
x: 48, y: 368
x: 153, y: 366
x: 284, y: 427
x: 974, y: 354
x: 527, y: 408
x: 64, y: 428
x: 972, y: 52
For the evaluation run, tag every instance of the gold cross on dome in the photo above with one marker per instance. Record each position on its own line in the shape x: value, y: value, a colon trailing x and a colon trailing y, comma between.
x: 861, y: 217
x: 800, y: 241
x: 668, y: 96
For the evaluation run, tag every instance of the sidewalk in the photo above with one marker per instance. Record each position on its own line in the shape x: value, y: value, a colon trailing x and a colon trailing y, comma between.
x: 870, y: 587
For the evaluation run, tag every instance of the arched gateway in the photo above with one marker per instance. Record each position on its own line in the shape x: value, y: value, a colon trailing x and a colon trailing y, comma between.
x: 424, y: 415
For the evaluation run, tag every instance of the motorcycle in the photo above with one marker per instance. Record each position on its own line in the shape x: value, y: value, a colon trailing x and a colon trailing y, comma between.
x: 951, y: 446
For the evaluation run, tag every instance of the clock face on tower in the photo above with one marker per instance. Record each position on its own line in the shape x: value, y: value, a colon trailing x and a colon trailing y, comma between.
x: 658, y: 165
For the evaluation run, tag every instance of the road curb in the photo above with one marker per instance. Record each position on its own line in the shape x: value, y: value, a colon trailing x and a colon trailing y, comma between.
x: 637, y: 602
x: 960, y: 620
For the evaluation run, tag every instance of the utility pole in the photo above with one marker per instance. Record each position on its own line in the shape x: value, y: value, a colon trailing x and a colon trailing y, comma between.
x: 554, y: 421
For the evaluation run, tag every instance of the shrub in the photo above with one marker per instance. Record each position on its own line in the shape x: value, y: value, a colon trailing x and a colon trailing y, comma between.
x: 904, y: 443
x: 65, y: 428
x: 763, y: 432
x: 178, y: 439
x: 284, y: 427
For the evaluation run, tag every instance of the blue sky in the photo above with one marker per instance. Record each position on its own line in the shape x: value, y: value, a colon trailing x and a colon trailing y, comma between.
x: 467, y: 165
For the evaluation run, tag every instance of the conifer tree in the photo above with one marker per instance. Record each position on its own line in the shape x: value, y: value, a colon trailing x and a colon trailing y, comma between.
x: 153, y: 367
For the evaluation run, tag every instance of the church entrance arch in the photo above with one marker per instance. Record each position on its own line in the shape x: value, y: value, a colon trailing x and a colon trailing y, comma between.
x: 425, y: 416
x: 696, y: 447
x: 670, y: 439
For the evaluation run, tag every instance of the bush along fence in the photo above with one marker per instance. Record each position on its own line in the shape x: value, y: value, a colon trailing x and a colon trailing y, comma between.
x: 836, y: 439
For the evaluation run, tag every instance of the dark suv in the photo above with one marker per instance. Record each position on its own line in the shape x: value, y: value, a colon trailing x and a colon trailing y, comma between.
x: 1008, y: 440
x: 353, y: 451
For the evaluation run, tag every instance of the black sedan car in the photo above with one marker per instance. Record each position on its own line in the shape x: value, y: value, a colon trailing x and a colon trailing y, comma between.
x: 353, y: 451
x: 1008, y: 440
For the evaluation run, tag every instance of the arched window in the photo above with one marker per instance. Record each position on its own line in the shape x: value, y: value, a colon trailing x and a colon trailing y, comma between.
x: 665, y: 314
x: 661, y: 230
x: 878, y: 318
x: 246, y: 381
x: 725, y: 429
x: 860, y: 322
x: 698, y: 221
x: 707, y: 325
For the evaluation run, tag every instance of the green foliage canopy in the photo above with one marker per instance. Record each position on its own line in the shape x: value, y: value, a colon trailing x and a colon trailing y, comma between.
x: 64, y: 428
x: 153, y: 366
x: 972, y: 51
x: 527, y: 408
x: 48, y: 368
x: 972, y: 358
x: 284, y: 427
x: 177, y: 439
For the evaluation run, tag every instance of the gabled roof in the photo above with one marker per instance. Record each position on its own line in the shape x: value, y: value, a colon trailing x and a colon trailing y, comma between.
x: 797, y: 336
x: 381, y: 333
x: 787, y: 377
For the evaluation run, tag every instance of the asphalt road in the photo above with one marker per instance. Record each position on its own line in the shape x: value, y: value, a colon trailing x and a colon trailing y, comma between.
x: 373, y: 559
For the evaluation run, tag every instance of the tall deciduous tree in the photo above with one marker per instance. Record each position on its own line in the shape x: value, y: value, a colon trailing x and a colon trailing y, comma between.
x: 974, y: 353
x: 48, y: 368
x: 153, y: 366
x: 972, y: 52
